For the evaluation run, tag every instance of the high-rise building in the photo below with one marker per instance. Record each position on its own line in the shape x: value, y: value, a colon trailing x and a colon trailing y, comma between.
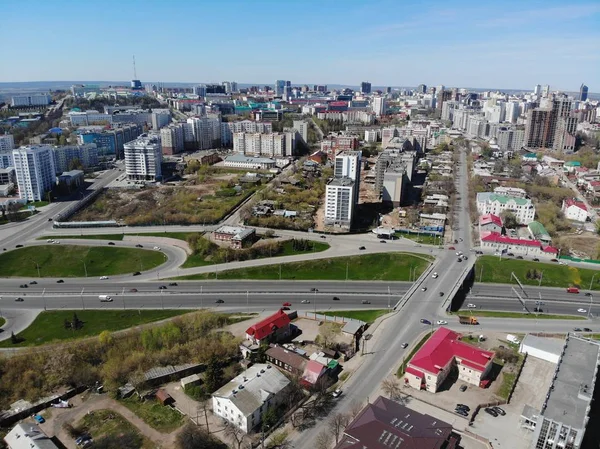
x: 172, y: 138
x: 340, y: 203
x: 279, y: 85
x: 302, y: 127
x: 537, y: 90
x: 110, y: 142
x: 207, y: 132
x: 422, y: 89
x: 347, y: 164
x: 199, y: 90
x: 30, y: 100
x: 7, y: 142
x: 365, y: 87
x: 86, y: 154
x: 512, y: 111
x: 379, y: 106
x: 551, y: 126
x: 143, y: 158
x: 35, y: 171
x: 583, y: 92
x: 546, y: 91
x: 230, y: 87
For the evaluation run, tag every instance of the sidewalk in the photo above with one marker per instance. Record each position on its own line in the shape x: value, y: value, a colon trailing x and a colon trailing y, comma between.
x: 17, y: 320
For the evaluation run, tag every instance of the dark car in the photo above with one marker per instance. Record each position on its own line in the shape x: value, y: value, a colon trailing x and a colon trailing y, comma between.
x: 335, y: 298
x: 577, y: 329
x: 137, y: 273
x: 19, y: 246
x: 553, y: 260
x: 139, y: 246
x: 172, y: 284
x: 498, y: 410
x: 520, y: 257
x: 361, y: 248
x: 463, y: 388
x: 466, y: 407
x: 111, y: 243
x: 424, y: 321
x: 382, y: 241
x: 19, y: 299
x: 323, y: 236
x: 365, y: 301
x: 33, y: 283
x: 314, y: 289
x: 462, y: 412
x: 455, y: 241
x: 510, y: 254
x: 535, y: 259
x: 459, y: 259
x: 162, y: 287
x: 133, y: 290
x: 441, y: 293
x: 60, y: 281
x: 491, y: 411
x: 588, y: 294
x: 219, y: 301
x: 538, y: 309
x: 587, y: 329
x: 23, y: 286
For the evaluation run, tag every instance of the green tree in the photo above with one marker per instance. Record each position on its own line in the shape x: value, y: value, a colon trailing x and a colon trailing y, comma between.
x: 13, y: 338
x: 213, y: 376
x: 509, y: 219
x: 75, y: 164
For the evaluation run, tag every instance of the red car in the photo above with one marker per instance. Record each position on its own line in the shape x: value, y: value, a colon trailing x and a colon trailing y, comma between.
x: 451, y: 247
x: 287, y: 304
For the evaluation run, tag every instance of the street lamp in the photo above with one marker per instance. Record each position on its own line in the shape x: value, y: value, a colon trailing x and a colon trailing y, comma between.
x: 592, y: 281
x: 590, y: 308
x: 37, y: 265
x: 81, y: 295
x: 84, y: 267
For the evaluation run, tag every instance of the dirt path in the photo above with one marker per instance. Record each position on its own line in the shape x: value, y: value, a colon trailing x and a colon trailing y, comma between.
x: 54, y: 424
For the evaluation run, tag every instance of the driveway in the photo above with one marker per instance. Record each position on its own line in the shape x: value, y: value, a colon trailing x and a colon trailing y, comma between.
x: 17, y: 320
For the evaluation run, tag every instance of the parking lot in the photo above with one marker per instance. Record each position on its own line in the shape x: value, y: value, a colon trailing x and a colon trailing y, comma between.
x: 505, y: 431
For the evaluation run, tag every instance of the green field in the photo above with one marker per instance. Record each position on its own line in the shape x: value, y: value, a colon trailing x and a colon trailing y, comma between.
x: 102, y: 424
x: 2, y: 321
x: 197, y: 260
x: 532, y: 316
x: 400, y: 371
x: 370, y: 267
x: 172, y: 235
x: 368, y: 316
x: 164, y: 419
x: 49, y: 326
x: 73, y: 261
x: 425, y: 239
x: 508, y: 379
x: 499, y: 271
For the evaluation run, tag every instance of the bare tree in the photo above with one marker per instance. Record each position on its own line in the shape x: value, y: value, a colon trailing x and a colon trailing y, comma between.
x: 355, y: 408
x: 337, y: 424
x: 391, y: 387
x: 235, y: 433
x: 279, y: 440
x: 323, y: 440
x: 203, y: 407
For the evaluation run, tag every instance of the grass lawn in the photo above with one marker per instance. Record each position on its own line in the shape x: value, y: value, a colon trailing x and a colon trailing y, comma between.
x: 368, y: 316
x: 508, y: 379
x: 49, y: 326
x: 164, y: 419
x: 68, y: 261
x: 533, y: 316
x: 400, y: 371
x: 35, y: 204
x: 106, y: 423
x: 554, y: 275
x: 197, y: 260
x: 425, y: 239
x: 370, y: 267
x: 172, y: 235
x: 2, y: 321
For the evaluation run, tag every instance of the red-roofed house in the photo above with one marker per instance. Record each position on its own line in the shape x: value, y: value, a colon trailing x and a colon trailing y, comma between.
x: 505, y: 244
x: 490, y: 222
x: 271, y: 329
x: 575, y: 210
x: 313, y: 373
x: 430, y: 366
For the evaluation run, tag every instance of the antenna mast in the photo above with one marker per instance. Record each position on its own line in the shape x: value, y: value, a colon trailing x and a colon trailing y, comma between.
x: 134, y: 71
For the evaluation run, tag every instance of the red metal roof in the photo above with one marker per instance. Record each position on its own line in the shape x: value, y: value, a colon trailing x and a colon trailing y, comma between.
x: 443, y: 346
x: 313, y: 372
x: 550, y: 249
x: 574, y: 202
x: 496, y: 237
x: 490, y: 218
x: 269, y: 325
x: 338, y: 103
x: 414, y: 372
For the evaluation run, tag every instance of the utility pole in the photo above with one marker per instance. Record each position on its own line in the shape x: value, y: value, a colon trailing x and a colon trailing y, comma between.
x: 347, y: 270
x: 592, y: 281
x: 82, y: 304
x: 247, y: 301
x: 542, y: 277
x: 389, y: 297
x: 123, y: 295
x: 44, y: 298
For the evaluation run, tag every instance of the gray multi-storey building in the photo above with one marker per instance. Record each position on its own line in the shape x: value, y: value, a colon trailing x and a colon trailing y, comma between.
x: 86, y: 154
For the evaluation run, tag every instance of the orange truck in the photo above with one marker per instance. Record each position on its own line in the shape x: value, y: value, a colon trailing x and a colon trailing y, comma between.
x: 467, y: 320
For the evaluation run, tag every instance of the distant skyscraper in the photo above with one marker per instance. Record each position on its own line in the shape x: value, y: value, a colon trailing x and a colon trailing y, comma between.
x: 365, y: 87
x: 279, y: 85
x: 422, y: 89
x: 379, y: 106
x: 388, y: 90
x: 546, y: 91
x: 583, y: 91
x: 537, y: 90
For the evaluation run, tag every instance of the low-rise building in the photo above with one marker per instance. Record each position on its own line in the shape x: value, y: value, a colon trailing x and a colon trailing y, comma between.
x: 490, y: 222
x: 388, y: 424
x: 443, y: 351
x: 272, y: 329
x: 575, y: 210
x: 245, y: 399
x: 538, y: 232
x: 286, y: 360
x: 28, y: 435
x: 315, y: 374
x: 492, y: 203
x: 503, y: 244
x: 237, y: 236
x: 70, y: 180
x: 511, y: 191
x: 249, y: 162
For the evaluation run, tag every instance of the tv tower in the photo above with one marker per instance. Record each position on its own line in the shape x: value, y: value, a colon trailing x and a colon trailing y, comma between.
x: 136, y: 84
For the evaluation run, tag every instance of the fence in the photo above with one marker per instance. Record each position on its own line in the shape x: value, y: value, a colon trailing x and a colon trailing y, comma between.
x: 514, y: 385
x: 332, y: 319
x: 576, y: 259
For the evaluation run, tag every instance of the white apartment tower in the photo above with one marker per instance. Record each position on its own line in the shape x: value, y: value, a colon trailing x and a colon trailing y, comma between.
x: 347, y: 164
x: 35, y: 171
x: 340, y: 202
x: 379, y: 106
x: 143, y: 157
x: 7, y: 142
x: 172, y: 138
x: 302, y: 127
x: 207, y: 131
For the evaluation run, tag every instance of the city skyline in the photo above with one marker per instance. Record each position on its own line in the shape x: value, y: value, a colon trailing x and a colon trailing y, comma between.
x: 470, y: 45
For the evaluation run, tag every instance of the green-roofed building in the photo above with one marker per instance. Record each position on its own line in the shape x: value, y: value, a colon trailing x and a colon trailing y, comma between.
x: 530, y: 157
x: 571, y: 166
x: 538, y: 232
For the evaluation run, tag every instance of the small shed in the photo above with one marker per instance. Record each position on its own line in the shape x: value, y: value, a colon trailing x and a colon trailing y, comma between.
x: 191, y: 381
x: 164, y: 398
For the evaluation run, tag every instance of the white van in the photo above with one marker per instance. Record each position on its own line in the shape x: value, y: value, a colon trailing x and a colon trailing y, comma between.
x: 513, y: 339
x: 105, y: 298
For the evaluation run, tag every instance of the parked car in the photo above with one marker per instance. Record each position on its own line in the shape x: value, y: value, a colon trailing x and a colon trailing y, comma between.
x: 157, y: 248
x: 498, y: 410
x: 103, y: 278
x: 441, y: 293
x: 111, y: 243
x: 451, y: 247
x: 459, y: 259
x: 337, y: 393
x: 463, y: 406
x: 139, y: 246
x: 441, y: 322
x: 553, y: 260
x: 404, y: 345
x: 535, y: 259
x: 510, y: 254
x: 82, y: 439
x: 462, y: 412
x: 491, y: 411
x: 365, y: 301
x: 323, y: 236
x: 382, y: 241
x: 19, y: 246
x: 137, y: 273
x: 463, y: 388
x: 520, y: 257
x: 40, y: 419
x: 219, y: 301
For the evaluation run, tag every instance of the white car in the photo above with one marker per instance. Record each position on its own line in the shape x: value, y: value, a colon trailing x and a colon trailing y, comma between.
x: 441, y: 322
x: 49, y: 241
x: 458, y: 253
x: 471, y: 306
x: 434, y: 275
x: 581, y: 310
x: 56, y: 242
x: 305, y: 301
x: 337, y: 393
x: 103, y: 278
x: 157, y: 248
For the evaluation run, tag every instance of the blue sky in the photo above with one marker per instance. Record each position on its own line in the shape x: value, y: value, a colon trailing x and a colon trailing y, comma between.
x: 507, y: 44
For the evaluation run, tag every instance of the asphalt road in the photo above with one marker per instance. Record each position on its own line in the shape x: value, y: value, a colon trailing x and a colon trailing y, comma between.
x: 548, y: 306
x: 535, y: 293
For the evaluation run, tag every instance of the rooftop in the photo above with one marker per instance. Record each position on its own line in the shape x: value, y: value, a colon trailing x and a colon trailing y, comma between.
x: 238, y: 232
x: 504, y: 199
x: 291, y: 358
x: 550, y: 345
x: 490, y: 218
x: 255, y: 386
x: 496, y: 237
x: 268, y: 325
x: 342, y: 182
x: 573, y: 202
x: 443, y: 346
x: 575, y: 372
x: 249, y: 159
x: 27, y: 435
